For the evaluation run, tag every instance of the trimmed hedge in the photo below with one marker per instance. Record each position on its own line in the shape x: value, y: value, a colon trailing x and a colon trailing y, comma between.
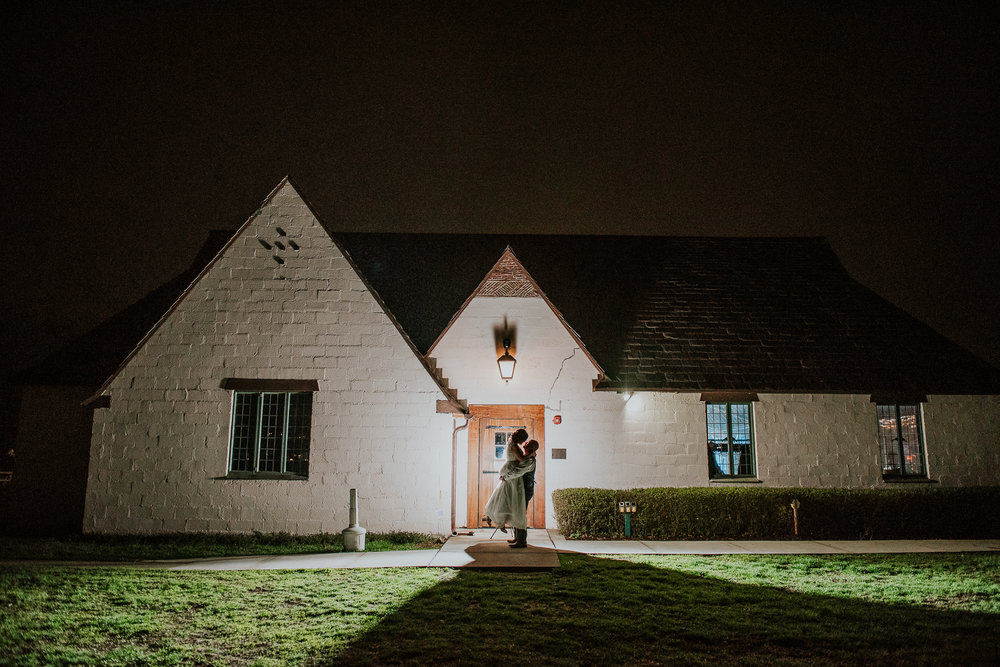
x: 699, y: 513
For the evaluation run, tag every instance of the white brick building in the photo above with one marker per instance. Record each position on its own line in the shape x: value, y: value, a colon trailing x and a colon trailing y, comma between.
x: 302, y: 363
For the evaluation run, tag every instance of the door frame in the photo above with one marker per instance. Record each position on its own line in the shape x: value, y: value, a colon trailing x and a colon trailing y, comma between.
x: 533, y: 412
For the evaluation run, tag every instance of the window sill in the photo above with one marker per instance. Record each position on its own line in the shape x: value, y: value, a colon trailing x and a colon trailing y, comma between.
x: 735, y: 480
x: 909, y: 480
x: 264, y: 476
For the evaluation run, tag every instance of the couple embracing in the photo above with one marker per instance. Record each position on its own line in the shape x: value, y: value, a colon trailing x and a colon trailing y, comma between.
x: 508, y: 505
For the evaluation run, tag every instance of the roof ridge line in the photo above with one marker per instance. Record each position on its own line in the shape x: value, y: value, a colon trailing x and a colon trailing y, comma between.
x: 187, y: 290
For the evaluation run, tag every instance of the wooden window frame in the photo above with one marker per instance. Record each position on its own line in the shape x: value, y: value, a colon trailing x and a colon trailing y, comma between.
x: 258, y: 393
x: 715, y: 471
x: 888, y: 474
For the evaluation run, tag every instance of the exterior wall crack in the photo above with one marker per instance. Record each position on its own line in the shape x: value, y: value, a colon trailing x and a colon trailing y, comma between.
x: 552, y: 388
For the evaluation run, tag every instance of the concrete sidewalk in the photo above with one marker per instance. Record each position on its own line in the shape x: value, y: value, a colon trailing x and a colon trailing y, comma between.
x: 480, y: 549
x: 483, y: 549
x: 720, y: 547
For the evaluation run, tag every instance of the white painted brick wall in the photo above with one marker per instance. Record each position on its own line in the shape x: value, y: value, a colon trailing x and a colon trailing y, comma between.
x: 157, y: 450
x: 659, y: 439
x: 962, y: 434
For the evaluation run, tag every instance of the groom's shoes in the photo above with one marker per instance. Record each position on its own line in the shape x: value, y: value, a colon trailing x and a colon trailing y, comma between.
x: 520, y: 539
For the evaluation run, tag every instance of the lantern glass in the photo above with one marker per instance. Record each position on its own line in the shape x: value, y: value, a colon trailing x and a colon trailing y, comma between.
x: 506, y: 364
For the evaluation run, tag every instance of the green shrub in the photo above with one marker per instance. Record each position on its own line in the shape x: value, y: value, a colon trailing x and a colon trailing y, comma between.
x: 700, y: 513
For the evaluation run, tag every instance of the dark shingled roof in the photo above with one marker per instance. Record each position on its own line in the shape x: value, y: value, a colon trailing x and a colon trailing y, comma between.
x: 657, y: 313
x: 89, y: 359
x: 686, y: 314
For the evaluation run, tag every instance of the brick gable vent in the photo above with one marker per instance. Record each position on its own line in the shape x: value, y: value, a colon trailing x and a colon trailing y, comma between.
x: 507, y: 279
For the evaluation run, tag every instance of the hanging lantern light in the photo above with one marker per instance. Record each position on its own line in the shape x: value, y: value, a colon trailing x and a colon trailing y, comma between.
x: 506, y: 362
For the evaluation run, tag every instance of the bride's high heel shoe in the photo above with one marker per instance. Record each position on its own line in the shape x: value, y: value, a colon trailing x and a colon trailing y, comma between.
x: 489, y: 522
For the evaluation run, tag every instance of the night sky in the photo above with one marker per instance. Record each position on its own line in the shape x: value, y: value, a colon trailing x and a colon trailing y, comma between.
x: 131, y: 131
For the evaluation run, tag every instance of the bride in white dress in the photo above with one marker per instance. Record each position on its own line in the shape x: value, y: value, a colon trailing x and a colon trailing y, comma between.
x: 506, y: 505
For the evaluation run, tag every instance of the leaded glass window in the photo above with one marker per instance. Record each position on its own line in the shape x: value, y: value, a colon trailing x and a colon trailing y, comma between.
x: 900, y: 441
x: 730, y: 440
x: 270, y: 432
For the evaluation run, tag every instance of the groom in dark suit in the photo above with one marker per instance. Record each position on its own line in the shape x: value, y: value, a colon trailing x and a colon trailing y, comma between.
x: 520, y: 540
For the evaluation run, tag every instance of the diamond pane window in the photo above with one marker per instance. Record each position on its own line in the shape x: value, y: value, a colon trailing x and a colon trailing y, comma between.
x: 900, y: 441
x: 730, y: 440
x: 270, y: 432
x: 244, y: 433
x: 297, y: 440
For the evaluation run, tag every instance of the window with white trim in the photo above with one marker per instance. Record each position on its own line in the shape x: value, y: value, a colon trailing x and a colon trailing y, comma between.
x: 730, y: 440
x: 900, y: 440
x: 270, y: 433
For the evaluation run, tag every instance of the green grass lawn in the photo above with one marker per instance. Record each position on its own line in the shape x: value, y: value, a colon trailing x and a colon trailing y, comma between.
x: 122, y: 548
x: 895, y: 609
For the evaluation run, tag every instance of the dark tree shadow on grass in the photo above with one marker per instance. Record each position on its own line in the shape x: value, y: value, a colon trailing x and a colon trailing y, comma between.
x: 602, y: 611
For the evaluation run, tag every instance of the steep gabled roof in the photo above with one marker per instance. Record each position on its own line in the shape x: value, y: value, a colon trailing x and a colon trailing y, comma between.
x: 686, y: 314
x: 187, y: 290
x: 654, y: 313
x: 121, y: 327
x: 508, y: 278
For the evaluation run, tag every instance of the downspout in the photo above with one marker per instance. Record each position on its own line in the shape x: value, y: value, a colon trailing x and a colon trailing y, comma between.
x: 454, y: 467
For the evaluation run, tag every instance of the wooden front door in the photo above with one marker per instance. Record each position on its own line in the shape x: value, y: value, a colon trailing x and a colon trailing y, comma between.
x: 488, y: 434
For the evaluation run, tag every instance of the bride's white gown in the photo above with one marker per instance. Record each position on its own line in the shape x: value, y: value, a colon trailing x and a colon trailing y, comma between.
x: 506, y: 505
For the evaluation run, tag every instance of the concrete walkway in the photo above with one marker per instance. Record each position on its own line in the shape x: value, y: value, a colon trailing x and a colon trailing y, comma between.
x: 472, y: 549
x: 713, y: 548
x: 483, y: 549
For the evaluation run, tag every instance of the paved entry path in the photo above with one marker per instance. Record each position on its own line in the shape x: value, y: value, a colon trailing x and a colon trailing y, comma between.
x: 485, y: 548
x: 471, y: 549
